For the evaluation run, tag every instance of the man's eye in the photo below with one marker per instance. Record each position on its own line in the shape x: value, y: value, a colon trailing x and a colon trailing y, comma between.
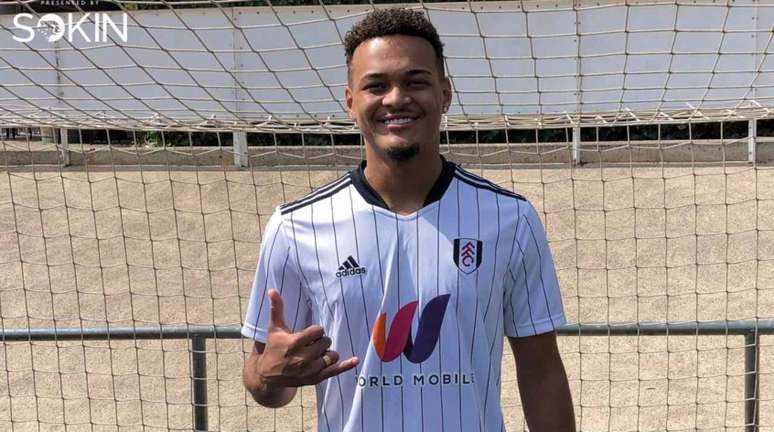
x: 375, y: 86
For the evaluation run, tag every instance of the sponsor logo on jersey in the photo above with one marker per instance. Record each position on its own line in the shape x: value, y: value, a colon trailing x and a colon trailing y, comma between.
x: 417, y: 380
x: 467, y: 254
x: 400, y: 341
x: 350, y: 267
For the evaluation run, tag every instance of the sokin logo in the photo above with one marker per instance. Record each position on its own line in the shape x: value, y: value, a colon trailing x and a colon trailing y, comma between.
x: 399, y: 341
x: 69, y: 25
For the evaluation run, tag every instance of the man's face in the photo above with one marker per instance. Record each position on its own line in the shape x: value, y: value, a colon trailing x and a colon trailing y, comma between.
x: 397, y: 95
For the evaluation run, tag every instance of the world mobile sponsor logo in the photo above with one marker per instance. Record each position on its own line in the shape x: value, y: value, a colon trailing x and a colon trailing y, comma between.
x: 88, y: 27
x: 399, y: 340
x: 416, y: 380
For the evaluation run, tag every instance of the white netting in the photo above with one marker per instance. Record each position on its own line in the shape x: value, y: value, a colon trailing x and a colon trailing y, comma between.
x: 665, y: 219
x: 271, y: 68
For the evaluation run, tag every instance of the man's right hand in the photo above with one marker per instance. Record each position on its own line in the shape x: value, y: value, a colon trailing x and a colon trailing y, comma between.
x: 295, y: 359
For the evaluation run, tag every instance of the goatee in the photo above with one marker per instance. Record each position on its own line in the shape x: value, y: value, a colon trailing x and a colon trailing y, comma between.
x: 403, y: 154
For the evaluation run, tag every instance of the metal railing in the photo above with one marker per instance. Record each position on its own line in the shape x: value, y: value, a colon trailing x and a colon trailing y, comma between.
x: 198, y: 334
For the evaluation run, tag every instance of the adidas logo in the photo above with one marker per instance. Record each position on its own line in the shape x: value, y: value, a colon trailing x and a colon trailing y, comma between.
x: 350, y: 267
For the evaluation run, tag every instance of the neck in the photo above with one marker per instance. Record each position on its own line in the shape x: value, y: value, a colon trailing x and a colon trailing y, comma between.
x: 403, y: 185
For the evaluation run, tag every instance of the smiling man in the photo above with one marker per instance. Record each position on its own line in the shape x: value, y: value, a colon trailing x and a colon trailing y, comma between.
x: 392, y: 288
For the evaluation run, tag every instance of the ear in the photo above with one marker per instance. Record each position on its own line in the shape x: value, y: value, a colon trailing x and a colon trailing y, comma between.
x: 348, y: 99
x: 447, y: 93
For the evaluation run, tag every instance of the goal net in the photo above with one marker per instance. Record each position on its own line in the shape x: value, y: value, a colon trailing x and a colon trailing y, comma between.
x: 141, y: 161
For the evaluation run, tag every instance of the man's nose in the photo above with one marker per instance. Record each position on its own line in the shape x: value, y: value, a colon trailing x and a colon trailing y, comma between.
x: 397, y: 96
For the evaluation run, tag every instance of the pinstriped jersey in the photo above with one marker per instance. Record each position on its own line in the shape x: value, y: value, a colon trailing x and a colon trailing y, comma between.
x: 424, y: 300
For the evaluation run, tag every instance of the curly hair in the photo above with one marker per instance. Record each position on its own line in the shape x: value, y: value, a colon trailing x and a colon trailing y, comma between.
x: 393, y: 21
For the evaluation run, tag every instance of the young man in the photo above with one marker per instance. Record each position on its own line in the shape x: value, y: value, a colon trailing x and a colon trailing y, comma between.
x: 391, y: 288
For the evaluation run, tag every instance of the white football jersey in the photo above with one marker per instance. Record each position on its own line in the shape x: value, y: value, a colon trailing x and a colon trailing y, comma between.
x: 423, y: 300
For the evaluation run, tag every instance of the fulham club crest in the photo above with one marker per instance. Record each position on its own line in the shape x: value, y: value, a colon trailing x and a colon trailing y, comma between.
x: 467, y: 254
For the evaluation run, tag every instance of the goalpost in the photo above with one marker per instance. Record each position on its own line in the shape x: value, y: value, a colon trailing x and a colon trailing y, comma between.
x: 133, y: 199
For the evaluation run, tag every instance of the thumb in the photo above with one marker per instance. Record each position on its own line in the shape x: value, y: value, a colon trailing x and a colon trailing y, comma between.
x: 277, y: 310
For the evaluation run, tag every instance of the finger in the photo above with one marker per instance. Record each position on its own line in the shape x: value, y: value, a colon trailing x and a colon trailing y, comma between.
x: 307, y: 368
x: 328, y: 359
x: 308, y: 335
x: 337, y: 368
x: 277, y: 310
x: 317, y: 348
x: 325, y: 360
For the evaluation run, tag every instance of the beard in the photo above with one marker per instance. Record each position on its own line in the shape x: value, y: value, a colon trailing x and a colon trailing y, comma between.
x: 403, y: 154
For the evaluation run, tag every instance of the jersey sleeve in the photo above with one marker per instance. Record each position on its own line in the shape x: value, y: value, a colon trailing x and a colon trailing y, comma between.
x: 532, y: 303
x: 276, y: 269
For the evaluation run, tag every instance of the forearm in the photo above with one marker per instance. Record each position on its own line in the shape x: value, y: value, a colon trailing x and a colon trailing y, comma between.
x: 545, y: 395
x: 270, y: 398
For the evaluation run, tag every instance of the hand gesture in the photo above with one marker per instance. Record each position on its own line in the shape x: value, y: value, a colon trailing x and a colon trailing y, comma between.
x: 297, y: 359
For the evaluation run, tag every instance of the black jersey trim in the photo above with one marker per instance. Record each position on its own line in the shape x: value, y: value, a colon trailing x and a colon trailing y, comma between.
x: 316, y: 192
x: 479, y: 182
x: 372, y: 197
x: 442, y: 183
x: 486, y: 183
x: 366, y: 191
x: 321, y: 193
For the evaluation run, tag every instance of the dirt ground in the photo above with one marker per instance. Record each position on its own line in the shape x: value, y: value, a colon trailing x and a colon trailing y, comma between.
x: 91, y: 247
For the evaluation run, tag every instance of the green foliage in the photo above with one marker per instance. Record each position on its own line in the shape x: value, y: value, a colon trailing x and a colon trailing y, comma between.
x: 679, y: 131
x: 766, y: 128
x: 288, y: 139
x: 666, y: 132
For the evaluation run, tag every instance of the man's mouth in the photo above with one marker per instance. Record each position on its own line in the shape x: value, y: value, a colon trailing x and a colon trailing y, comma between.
x: 397, y: 120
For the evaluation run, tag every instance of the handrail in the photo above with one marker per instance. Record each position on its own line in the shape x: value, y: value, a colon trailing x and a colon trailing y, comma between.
x: 750, y: 329
x: 231, y: 331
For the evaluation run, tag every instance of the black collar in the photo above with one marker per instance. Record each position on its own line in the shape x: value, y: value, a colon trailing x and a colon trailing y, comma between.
x: 372, y: 197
